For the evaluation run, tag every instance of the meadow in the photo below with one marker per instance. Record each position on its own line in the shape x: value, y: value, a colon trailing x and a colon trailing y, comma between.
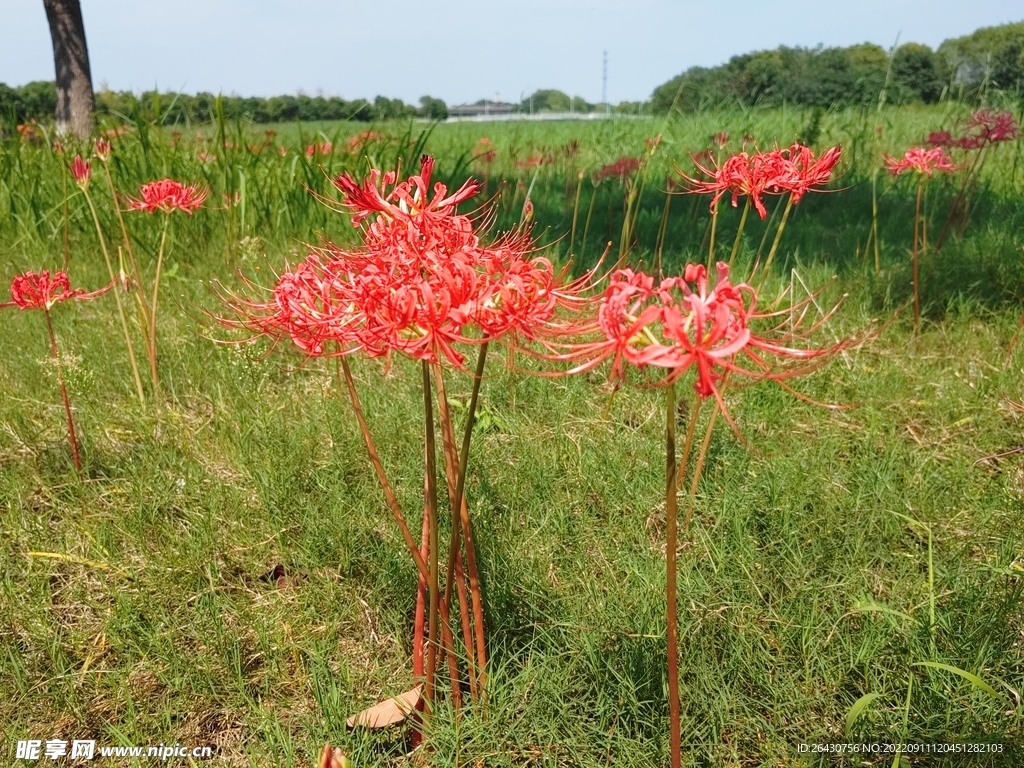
x: 224, y: 571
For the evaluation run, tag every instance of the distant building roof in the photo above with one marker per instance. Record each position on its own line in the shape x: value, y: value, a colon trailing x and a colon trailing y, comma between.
x: 487, y: 108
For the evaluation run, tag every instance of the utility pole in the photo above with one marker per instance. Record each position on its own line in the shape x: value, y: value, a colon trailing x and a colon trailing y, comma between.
x: 604, y: 83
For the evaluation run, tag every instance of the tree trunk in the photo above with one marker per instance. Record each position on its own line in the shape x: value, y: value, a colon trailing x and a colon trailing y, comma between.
x: 71, y: 60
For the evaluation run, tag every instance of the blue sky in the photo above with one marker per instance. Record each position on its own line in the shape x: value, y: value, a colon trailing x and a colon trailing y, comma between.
x: 457, y: 50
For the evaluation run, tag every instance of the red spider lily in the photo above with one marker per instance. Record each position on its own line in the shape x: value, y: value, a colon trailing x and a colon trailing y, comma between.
x: 168, y: 195
x: 685, y: 322
x: 406, y: 201
x: 310, y: 306
x: 40, y: 290
x: 799, y: 172
x: 33, y: 290
x: 990, y: 126
x: 536, y: 160
x: 80, y: 171
x: 969, y: 142
x: 940, y: 139
x: 206, y: 157
x: 357, y: 142
x: 484, y: 151
x: 925, y: 161
x: 101, y: 150
x: 323, y: 148
x: 422, y: 286
x: 720, y: 139
x: 740, y: 175
x: 794, y: 170
x: 622, y: 168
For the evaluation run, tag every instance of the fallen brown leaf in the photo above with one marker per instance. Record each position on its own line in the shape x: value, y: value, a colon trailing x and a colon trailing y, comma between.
x: 388, y: 712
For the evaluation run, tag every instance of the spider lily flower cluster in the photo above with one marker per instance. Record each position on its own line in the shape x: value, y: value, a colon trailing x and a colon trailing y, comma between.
x: 167, y: 196
x: 424, y: 286
x: 32, y: 290
x: 921, y: 160
x: 982, y: 129
x: 981, y: 135
x: 793, y: 171
x: 679, y: 324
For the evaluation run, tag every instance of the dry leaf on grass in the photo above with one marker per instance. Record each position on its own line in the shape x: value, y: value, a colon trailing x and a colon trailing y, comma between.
x: 388, y: 712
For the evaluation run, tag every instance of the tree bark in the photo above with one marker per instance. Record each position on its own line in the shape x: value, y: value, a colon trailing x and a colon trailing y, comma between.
x: 75, y: 100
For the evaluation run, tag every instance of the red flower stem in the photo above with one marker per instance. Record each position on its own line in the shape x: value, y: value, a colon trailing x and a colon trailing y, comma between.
x: 700, y: 466
x: 955, y: 207
x: 378, y: 467
x: 969, y: 205
x: 711, y: 240
x: 67, y: 244
x: 1013, y: 341
x: 671, y: 509
x: 420, y: 618
x: 626, y: 236
x: 140, y: 298
x: 153, y: 305
x: 777, y: 240
x: 467, y: 528
x: 662, y: 230
x: 448, y: 445
x: 454, y: 570
x: 403, y: 526
x: 739, y: 233
x: 913, y: 253
x: 467, y: 624
x: 874, y: 222
x: 72, y: 438
x: 447, y: 640
x: 117, y: 299
x: 432, y: 558
x: 590, y: 213
x: 873, y: 227
x: 764, y: 237
x: 575, y: 208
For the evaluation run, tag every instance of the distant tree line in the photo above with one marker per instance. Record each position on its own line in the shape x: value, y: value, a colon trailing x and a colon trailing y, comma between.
x: 990, y: 58
x: 551, y: 100
x: 38, y: 101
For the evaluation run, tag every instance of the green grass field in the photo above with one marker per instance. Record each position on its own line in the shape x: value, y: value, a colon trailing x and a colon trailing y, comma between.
x: 226, y: 571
